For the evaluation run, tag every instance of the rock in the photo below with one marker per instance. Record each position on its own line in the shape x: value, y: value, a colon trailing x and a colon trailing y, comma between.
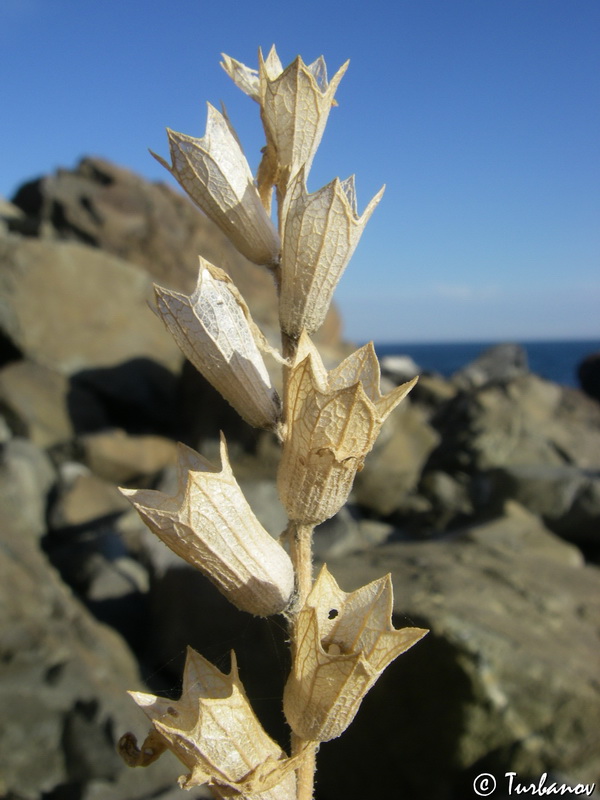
x: 138, y: 395
x: 34, y: 399
x: 69, y: 307
x: 531, y: 440
x: 144, y: 546
x: 51, y: 409
x: 506, y: 679
x: 394, y: 466
x: 85, y: 545
x: 10, y: 215
x: 566, y: 497
x: 520, y: 533
x: 346, y: 533
x: 264, y: 501
x: 129, y: 787
x: 83, y: 498
x: 449, y: 500
x: 374, y: 532
x: 186, y: 609
x: 94, y: 562
x: 63, y: 676
x: 203, y: 413
x: 150, y: 225
x: 588, y: 373
x: 525, y: 421
x: 497, y: 364
x: 5, y: 431
x: 575, y: 429
x: 122, y: 459
x: 26, y: 478
x: 399, y: 369
x: 432, y: 392
x: 118, y: 579
x: 9, y: 211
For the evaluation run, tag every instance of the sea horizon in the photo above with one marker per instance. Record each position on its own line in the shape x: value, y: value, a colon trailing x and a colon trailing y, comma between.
x: 556, y: 360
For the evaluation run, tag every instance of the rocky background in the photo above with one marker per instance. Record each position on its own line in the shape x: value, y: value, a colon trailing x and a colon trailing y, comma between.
x: 482, y: 497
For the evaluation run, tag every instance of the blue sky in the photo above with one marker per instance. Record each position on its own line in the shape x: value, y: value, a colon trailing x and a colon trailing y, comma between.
x: 482, y: 117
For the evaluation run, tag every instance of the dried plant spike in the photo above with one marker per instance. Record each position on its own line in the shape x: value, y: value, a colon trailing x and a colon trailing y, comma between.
x: 216, y: 735
x: 332, y: 423
x: 320, y: 233
x: 327, y: 424
x: 209, y: 523
x: 214, y: 172
x: 339, y: 656
x: 215, y: 331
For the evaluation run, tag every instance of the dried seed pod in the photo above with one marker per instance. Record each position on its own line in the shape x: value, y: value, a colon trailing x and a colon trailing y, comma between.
x: 320, y: 233
x: 214, y: 172
x: 211, y: 526
x: 339, y: 656
x: 295, y: 104
x: 333, y: 421
x: 295, y: 108
x: 216, y: 735
x: 214, y: 329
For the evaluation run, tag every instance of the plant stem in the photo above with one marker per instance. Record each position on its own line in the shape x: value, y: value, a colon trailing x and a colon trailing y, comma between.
x: 300, y: 540
x: 300, y: 537
x: 305, y: 774
x: 301, y: 555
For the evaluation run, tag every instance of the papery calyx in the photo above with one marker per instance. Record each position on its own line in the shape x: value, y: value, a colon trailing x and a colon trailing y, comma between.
x: 214, y: 732
x: 214, y: 329
x: 248, y: 79
x: 332, y: 422
x: 295, y: 104
x: 214, y: 172
x: 344, y: 641
x: 320, y: 233
x: 209, y: 523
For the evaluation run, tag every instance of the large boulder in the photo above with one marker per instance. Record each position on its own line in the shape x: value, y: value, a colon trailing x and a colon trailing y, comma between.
x: 524, y: 421
x: 497, y: 364
x: 123, y: 459
x: 68, y: 307
x: 392, y: 470
x: 588, y: 373
x: 93, y: 377
x: 35, y: 400
x: 566, y: 497
x: 27, y: 477
x: 147, y: 224
x: 63, y: 675
x: 530, y: 440
x: 505, y: 681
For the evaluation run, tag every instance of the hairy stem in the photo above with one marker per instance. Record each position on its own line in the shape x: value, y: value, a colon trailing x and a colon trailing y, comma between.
x: 305, y: 774
x: 300, y: 540
x: 300, y: 537
x: 301, y: 555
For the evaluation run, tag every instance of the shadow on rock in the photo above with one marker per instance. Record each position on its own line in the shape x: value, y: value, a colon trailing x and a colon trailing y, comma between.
x: 138, y: 396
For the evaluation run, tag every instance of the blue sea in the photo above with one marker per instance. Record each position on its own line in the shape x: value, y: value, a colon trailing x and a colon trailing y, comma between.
x: 556, y: 361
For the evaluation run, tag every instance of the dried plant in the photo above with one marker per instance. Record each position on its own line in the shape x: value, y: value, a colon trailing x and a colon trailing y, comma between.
x: 327, y: 423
